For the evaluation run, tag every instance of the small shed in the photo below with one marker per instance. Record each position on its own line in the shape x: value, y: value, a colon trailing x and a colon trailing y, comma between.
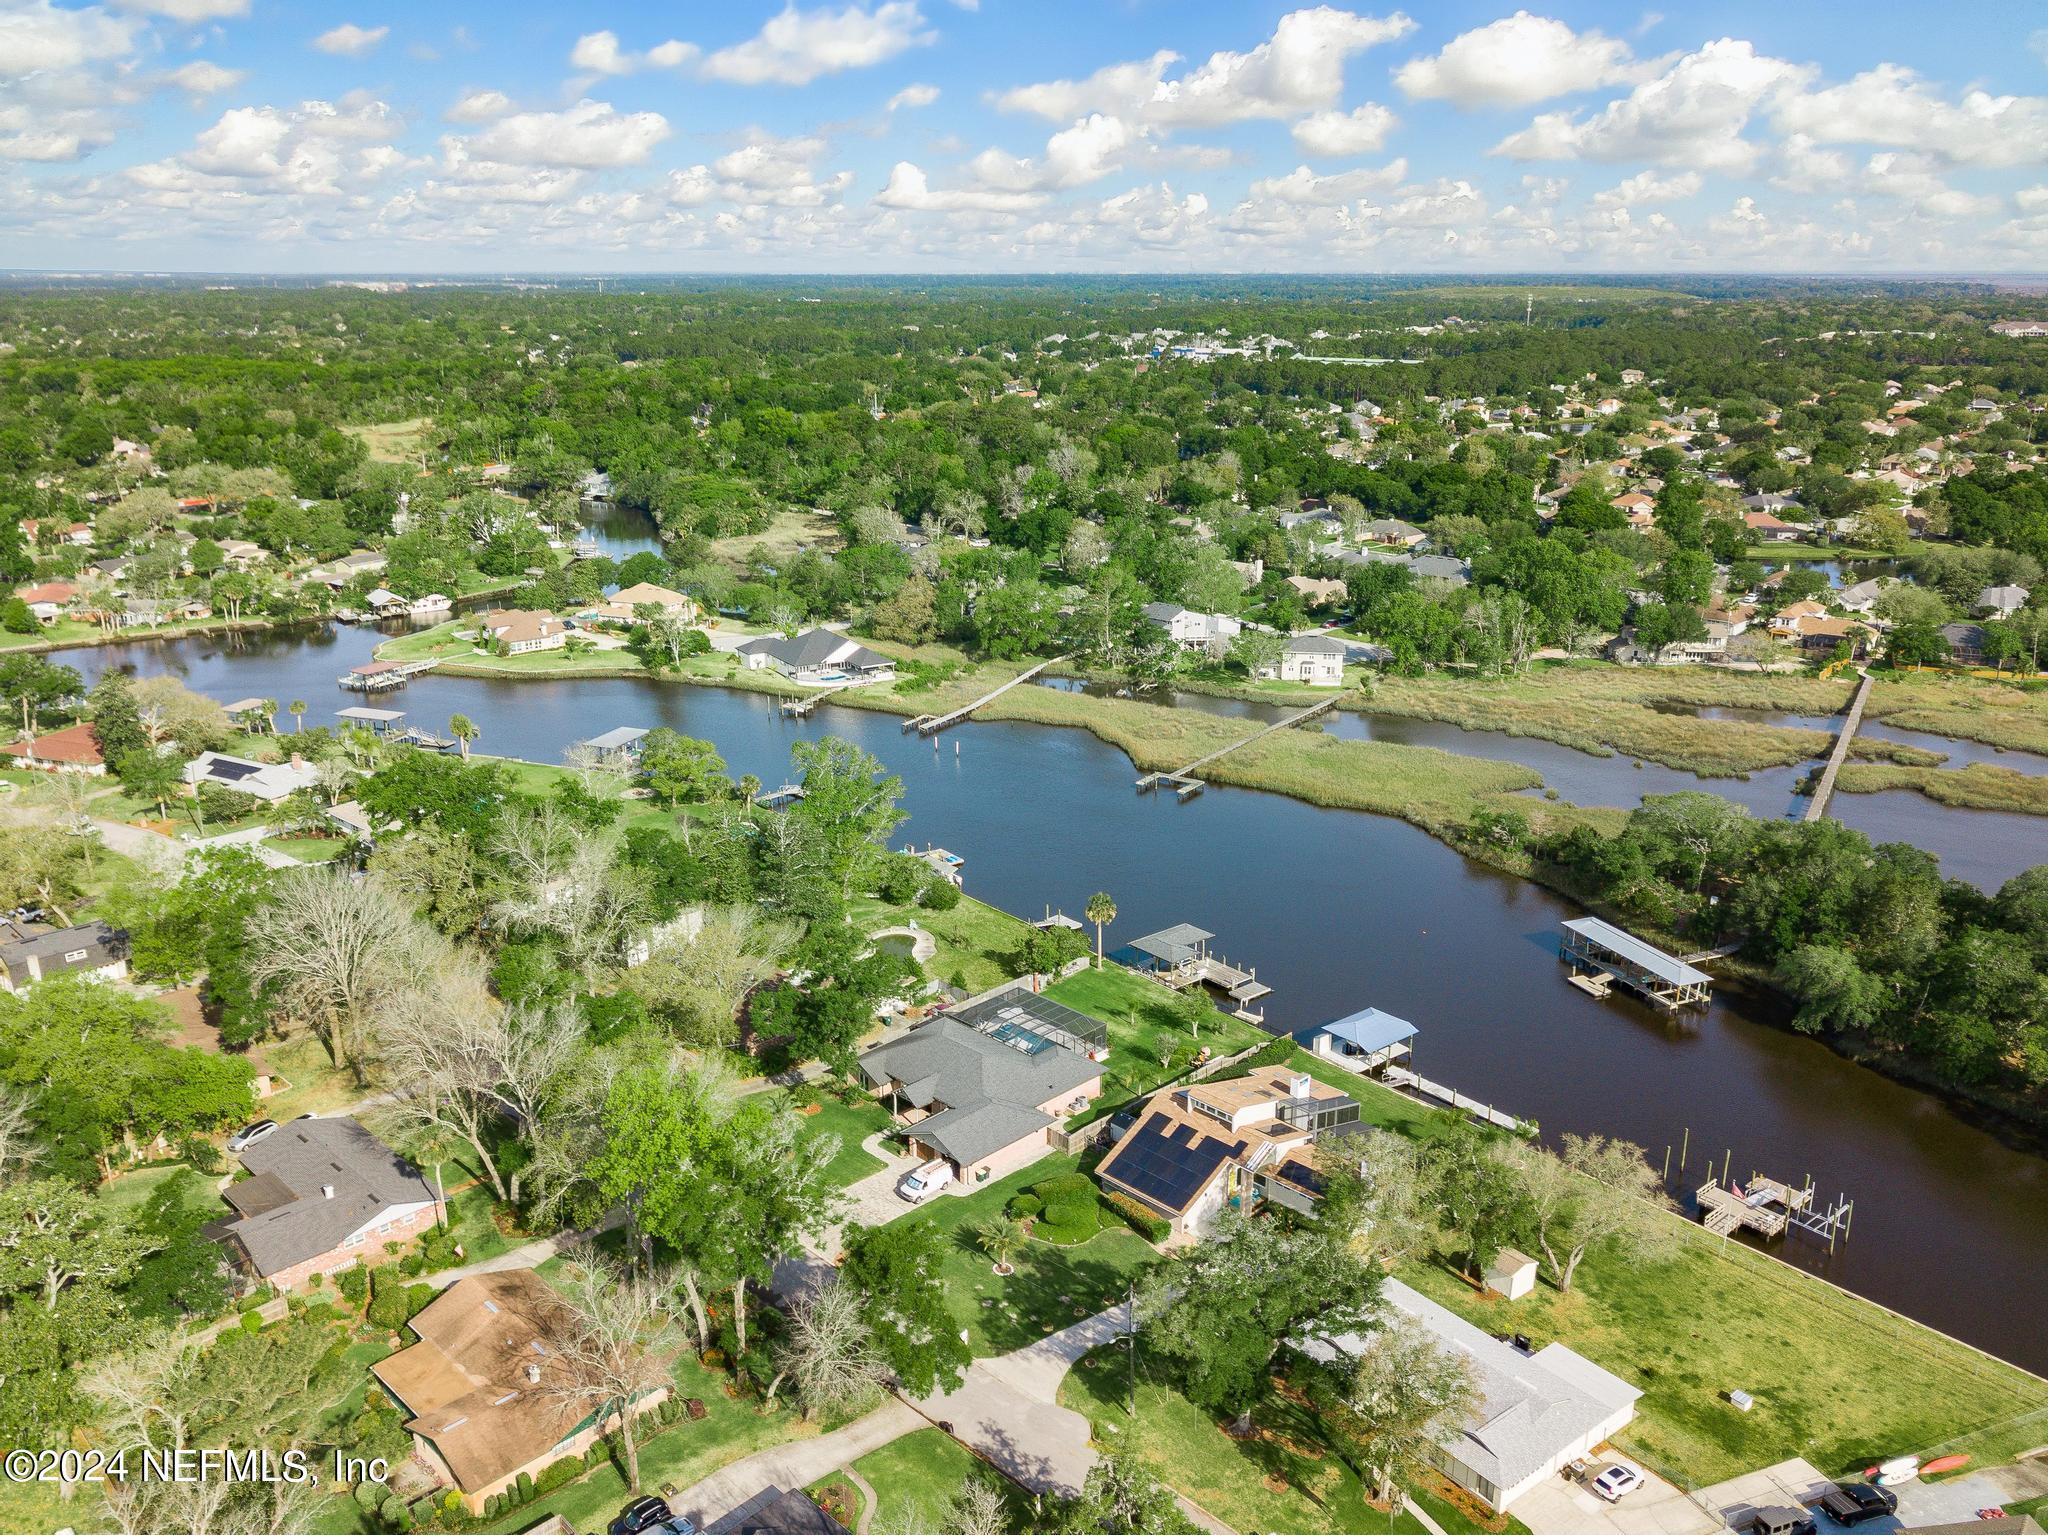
x: 1512, y: 1274
x: 621, y: 745
x: 379, y: 721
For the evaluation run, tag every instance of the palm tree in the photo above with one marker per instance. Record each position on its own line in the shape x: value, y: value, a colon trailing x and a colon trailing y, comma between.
x: 749, y: 786
x: 463, y: 728
x: 1000, y: 1236
x: 297, y: 709
x: 1101, y: 910
x: 270, y: 714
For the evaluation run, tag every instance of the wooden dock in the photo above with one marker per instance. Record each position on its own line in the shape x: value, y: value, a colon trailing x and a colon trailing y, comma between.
x: 800, y: 708
x: 1765, y: 1206
x: 1824, y: 790
x: 1183, y: 780
x: 932, y: 724
x: 382, y: 676
x: 1436, y: 1092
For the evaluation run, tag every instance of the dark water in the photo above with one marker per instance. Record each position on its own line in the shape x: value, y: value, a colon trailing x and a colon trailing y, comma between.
x: 1339, y: 911
x: 618, y: 531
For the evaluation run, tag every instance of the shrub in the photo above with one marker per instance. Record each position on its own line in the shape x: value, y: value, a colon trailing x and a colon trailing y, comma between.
x: 251, y: 1322
x: 522, y: 1487
x: 558, y: 1473
x: 391, y: 1303
x: 1065, y: 1188
x: 354, y: 1283
x: 1152, y: 1227
x: 1024, y: 1206
x: 901, y: 878
x: 940, y: 894
x: 1278, y: 1053
x: 371, y: 1495
x: 394, y: 1512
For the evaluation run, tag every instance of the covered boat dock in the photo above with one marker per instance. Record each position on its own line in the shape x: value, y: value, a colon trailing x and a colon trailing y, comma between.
x: 1601, y: 954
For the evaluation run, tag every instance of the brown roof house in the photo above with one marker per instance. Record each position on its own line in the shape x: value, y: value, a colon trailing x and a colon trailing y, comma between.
x: 324, y: 1194
x: 1197, y: 1148
x: 74, y: 749
x: 482, y: 1385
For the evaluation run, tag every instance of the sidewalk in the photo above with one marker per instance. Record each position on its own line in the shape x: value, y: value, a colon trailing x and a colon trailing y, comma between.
x: 532, y: 1255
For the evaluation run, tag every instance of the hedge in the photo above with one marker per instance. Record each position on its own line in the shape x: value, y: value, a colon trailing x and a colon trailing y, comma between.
x: 1154, y: 1228
x: 1065, y: 1188
x: 1024, y: 1206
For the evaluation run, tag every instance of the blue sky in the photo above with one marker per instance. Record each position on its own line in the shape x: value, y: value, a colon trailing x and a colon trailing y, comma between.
x: 1022, y: 135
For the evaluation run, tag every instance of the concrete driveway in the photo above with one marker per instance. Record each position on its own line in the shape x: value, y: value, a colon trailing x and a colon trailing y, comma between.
x: 1789, y: 1484
x: 1559, y: 1507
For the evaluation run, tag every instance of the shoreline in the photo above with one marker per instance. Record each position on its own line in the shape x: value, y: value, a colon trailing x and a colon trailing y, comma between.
x: 2013, y: 1123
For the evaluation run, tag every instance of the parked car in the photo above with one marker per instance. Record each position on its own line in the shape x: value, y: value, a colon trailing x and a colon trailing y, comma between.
x: 1616, y: 1482
x: 249, y: 1135
x: 677, y: 1525
x: 920, y: 1183
x: 1780, y: 1520
x: 1854, y: 1502
x: 642, y: 1516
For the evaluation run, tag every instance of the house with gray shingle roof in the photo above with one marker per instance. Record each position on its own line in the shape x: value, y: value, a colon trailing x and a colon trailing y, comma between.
x: 1536, y: 1412
x: 323, y: 1195
x: 982, y: 1088
x: 819, y: 656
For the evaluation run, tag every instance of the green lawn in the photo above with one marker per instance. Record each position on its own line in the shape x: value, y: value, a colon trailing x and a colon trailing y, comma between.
x: 1283, y: 1478
x: 922, y: 1473
x: 132, y: 1190
x: 1053, y: 1287
x: 852, y: 1123
x: 310, y: 849
x: 1720, y: 1318
x: 1377, y: 1103
x: 1142, y: 1022
x: 977, y: 943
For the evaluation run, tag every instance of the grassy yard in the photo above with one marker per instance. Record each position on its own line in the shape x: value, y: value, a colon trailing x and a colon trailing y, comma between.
x: 976, y: 942
x: 130, y: 1191
x: 1378, y: 1104
x: 1722, y: 1318
x: 1142, y: 1024
x: 310, y: 849
x: 317, y: 1087
x: 852, y: 1123
x: 1282, y: 1478
x: 1053, y: 1287
x: 923, y: 1473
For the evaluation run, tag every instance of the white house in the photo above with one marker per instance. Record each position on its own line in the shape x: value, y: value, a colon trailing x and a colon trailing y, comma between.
x: 817, y: 655
x: 267, y: 781
x: 1191, y: 630
x: 1315, y: 659
x: 1536, y: 1414
x: 2000, y: 601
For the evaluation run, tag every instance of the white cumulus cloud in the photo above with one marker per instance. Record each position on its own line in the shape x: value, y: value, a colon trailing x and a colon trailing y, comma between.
x: 1519, y: 60
x: 1338, y: 134
x: 1891, y: 105
x: 591, y: 135
x: 796, y: 47
x: 600, y: 53
x: 350, y: 41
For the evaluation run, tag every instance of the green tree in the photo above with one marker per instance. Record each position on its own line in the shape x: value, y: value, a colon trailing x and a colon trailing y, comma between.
x: 1100, y: 910
x: 149, y: 774
x: 1394, y: 1401
x: 33, y: 685
x: 464, y: 730
x: 898, y: 1271
x: 1221, y: 1311
x: 681, y: 769
x: 849, y: 807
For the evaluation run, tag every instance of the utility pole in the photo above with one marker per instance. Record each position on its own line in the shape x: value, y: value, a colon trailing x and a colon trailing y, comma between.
x: 1131, y: 1347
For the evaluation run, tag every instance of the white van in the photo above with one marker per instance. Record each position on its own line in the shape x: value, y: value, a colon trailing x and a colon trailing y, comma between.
x: 920, y: 1183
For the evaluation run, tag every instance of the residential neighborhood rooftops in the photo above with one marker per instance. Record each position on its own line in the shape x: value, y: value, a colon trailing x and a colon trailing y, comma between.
x: 815, y: 648
x: 74, y: 746
x: 338, y: 1176
x: 90, y: 946
x: 478, y: 1382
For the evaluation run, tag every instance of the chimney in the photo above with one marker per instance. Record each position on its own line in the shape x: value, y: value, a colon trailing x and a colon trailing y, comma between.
x: 1302, y: 1085
x: 298, y: 761
x: 326, y: 1191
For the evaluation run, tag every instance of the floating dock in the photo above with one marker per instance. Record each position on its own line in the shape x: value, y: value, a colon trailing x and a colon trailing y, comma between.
x: 1183, y: 781
x: 1601, y: 955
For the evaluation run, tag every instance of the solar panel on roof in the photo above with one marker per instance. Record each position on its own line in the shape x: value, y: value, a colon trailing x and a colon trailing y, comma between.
x: 1165, y: 1166
x: 231, y: 771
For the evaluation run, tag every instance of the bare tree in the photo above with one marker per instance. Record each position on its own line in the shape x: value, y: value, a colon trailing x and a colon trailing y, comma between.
x: 614, y: 1343
x: 18, y: 1149
x: 828, y: 1352
x: 701, y: 982
x: 569, y: 884
x: 978, y: 1509
x: 1596, y: 1190
x: 337, y: 950
x: 1379, y: 1184
x: 466, y: 1066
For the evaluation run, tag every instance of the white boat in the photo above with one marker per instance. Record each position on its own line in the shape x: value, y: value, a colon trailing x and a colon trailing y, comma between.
x: 433, y: 602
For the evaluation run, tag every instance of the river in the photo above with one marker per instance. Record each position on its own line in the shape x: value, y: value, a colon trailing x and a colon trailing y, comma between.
x: 1338, y: 910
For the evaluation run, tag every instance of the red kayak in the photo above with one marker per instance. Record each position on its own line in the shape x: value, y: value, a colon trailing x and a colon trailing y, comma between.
x: 1945, y: 1463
